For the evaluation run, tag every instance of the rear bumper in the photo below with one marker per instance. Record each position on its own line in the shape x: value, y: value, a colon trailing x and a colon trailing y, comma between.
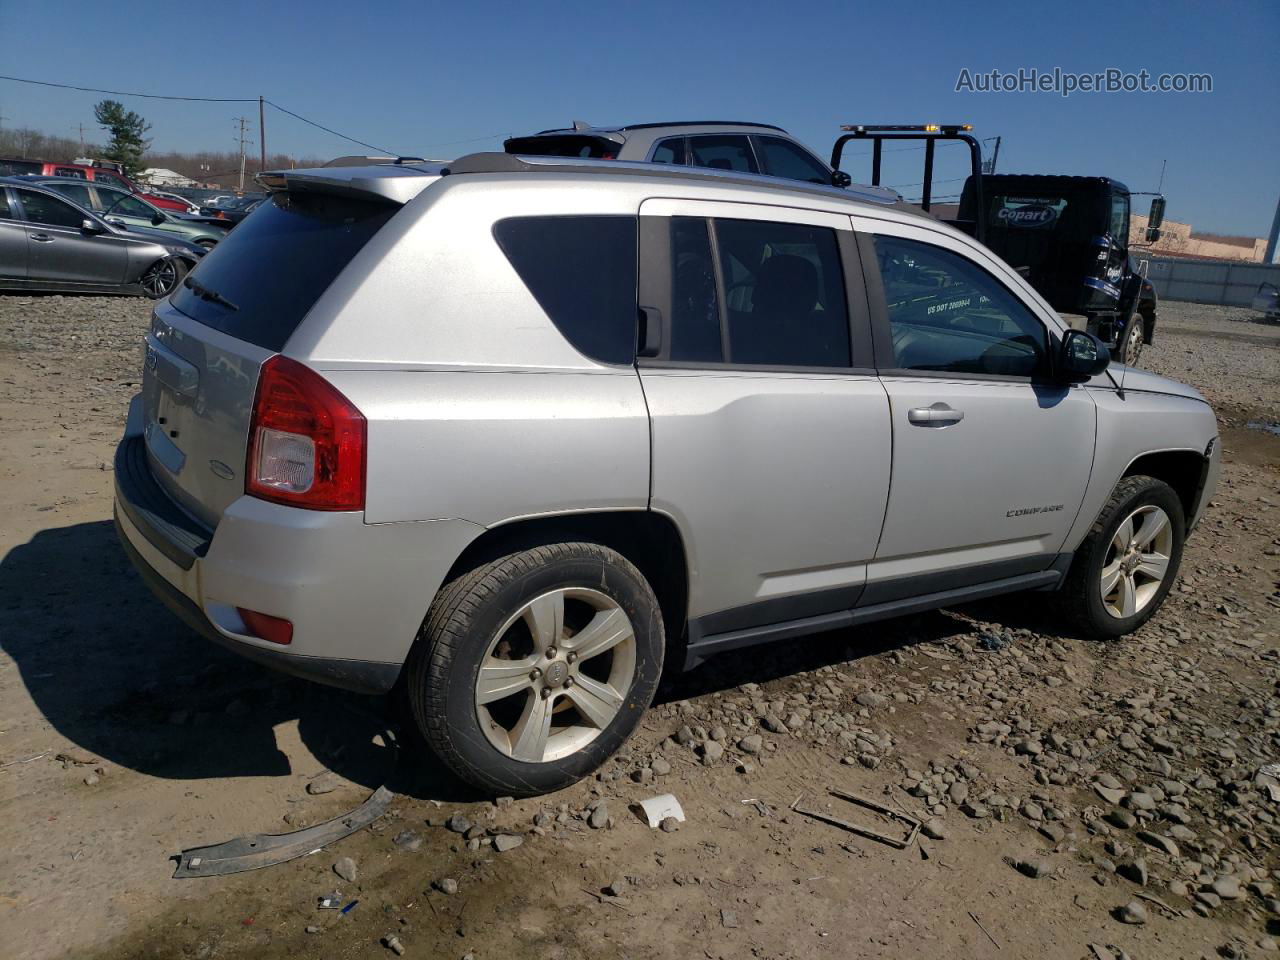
x: 355, y: 593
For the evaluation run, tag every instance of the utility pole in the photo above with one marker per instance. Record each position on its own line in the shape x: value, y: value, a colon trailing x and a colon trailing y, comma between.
x: 82, y: 146
x: 1273, y: 238
x: 243, y: 121
x: 262, y: 136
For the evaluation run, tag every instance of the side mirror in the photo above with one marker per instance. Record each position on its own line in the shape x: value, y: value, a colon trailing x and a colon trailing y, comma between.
x: 1082, y: 356
x: 1153, y: 234
x: 840, y: 179
x: 157, y: 219
x: 91, y: 226
x: 1156, y: 216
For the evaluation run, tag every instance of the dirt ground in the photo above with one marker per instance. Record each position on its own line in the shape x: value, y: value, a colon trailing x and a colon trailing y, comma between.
x: 1122, y: 778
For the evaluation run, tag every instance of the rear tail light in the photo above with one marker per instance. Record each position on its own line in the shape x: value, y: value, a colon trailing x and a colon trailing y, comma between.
x: 306, y: 441
x: 266, y: 627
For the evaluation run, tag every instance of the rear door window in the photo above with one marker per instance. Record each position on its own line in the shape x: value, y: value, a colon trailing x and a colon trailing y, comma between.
x: 722, y: 153
x: 782, y: 158
x: 582, y: 272
x: 669, y: 151
x: 258, y: 283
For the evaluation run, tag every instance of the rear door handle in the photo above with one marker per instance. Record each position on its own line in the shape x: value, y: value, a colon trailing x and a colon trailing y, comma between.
x: 41, y: 237
x: 936, y: 415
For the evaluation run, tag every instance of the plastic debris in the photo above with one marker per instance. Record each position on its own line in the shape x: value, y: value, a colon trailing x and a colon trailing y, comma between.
x: 656, y: 809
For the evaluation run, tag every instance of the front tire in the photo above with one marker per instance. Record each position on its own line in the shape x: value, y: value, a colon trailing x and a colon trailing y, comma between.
x: 162, y: 277
x: 1126, y: 565
x: 1134, y: 341
x: 531, y: 670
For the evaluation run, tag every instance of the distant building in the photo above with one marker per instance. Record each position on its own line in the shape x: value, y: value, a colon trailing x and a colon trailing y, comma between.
x: 1178, y: 240
x: 161, y: 177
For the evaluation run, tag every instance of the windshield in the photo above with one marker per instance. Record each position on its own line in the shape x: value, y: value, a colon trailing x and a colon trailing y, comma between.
x: 258, y: 283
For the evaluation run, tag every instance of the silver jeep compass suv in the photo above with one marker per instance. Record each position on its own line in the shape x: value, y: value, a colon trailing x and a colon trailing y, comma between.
x: 512, y: 432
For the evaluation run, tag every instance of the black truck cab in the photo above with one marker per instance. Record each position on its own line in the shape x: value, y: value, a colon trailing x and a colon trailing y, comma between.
x: 1067, y: 235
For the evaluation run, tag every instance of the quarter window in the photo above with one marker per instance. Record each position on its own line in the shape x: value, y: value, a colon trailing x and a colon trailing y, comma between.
x: 949, y: 315
x: 782, y: 158
x: 722, y: 153
x: 42, y: 208
x: 582, y: 272
x: 5, y: 213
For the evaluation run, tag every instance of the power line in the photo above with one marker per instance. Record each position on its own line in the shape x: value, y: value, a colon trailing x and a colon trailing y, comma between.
x: 121, y: 93
x: 321, y: 126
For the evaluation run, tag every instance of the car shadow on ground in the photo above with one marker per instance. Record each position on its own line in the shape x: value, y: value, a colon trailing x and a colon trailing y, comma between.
x: 114, y: 672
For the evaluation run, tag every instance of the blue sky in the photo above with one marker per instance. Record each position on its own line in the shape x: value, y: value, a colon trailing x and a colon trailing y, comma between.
x: 419, y: 77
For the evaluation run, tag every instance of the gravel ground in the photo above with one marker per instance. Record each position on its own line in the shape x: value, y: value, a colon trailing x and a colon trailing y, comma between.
x: 1080, y: 800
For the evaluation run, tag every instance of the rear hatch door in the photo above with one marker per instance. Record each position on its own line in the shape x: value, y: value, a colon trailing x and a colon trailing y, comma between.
x: 208, y: 341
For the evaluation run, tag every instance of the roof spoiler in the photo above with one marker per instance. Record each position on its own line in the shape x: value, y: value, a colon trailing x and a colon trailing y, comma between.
x: 388, y: 183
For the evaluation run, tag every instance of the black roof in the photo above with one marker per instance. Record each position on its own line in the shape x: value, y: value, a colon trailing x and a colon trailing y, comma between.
x: 1050, y: 180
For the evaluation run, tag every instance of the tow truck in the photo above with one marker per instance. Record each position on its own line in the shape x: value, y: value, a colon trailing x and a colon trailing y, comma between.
x: 1067, y: 235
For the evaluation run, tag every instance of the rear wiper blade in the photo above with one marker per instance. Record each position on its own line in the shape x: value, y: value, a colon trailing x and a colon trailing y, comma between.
x: 204, y: 293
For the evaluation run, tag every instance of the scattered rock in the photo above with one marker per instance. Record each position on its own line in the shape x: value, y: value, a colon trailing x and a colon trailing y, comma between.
x: 616, y: 888
x: 1132, y: 912
x: 458, y: 823
x: 1160, y: 843
x: 345, y: 867
x: 934, y: 829
x: 752, y: 744
x: 599, y: 816
x: 1135, y: 870
x: 660, y: 767
x: 1228, y: 888
x: 1122, y: 819
x: 447, y: 886
x: 1033, y: 867
x: 712, y: 751
x: 509, y: 841
x: 669, y: 825
x: 327, y: 782
x: 407, y: 840
x: 976, y: 811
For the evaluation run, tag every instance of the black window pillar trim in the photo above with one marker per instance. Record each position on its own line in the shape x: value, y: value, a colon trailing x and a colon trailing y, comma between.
x: 877, y: 312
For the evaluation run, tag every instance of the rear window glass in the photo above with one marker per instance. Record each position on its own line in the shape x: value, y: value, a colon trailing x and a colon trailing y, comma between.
x: 258, y: 283
x: 582, y: 272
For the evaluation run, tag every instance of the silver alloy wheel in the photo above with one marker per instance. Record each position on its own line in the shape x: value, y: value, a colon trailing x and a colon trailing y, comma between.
x: 1137, y: 561
x: 160, y: 278
x: 1133, y: 342
x: 533, y: 675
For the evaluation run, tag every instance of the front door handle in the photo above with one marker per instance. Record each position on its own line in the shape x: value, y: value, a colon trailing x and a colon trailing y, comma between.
x: 936, y: 415
x: 41, y: 237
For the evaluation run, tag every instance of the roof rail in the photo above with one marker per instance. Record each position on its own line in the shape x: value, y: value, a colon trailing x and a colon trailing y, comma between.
x: 489, y: 162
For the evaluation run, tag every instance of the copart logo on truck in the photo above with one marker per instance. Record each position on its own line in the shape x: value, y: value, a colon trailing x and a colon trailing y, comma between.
x: 1028, y: 215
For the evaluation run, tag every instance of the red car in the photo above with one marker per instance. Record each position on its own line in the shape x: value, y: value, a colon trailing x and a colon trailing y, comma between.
x: 12, y: 167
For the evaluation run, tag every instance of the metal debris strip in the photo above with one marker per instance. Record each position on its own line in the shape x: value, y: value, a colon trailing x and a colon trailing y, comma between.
x: 912, y: 824
x: 265, y: 850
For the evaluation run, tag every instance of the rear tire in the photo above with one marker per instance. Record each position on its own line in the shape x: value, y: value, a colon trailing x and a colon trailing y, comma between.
x: 1126, y: 565
x: 531, y: 670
